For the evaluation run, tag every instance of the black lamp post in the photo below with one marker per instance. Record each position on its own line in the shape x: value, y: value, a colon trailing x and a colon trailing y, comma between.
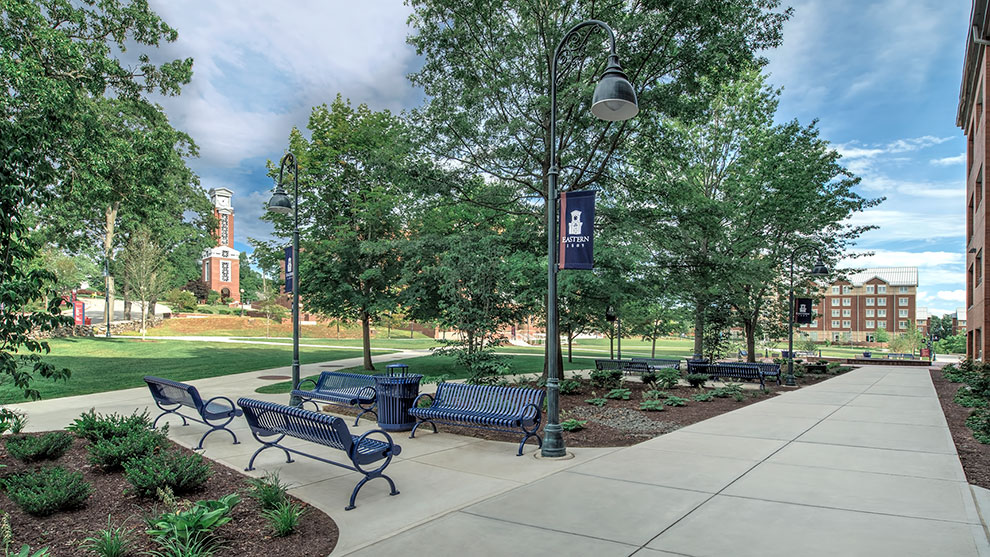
x: 614, y: 100
x: 819, y: 270
x: 280, y: 203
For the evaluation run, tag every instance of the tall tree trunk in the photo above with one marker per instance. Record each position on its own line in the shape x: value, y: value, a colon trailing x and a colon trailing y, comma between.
x: 699, y: 328
x: 366, y: 340
x: 108, y: 231
x: 570, y: 343
x: 749, y: 326
x: 153, y: 302
x: 127, y: 305
x: 653, y: 352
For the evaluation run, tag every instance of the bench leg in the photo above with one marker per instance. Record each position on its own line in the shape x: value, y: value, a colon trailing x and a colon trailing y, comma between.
x: 154, y: 425
x: 365, y: 411
x: 266, y: 445
x: 419, y: 423
x: 539, y: 442
x: 365, y: 480
x: 203, y: 438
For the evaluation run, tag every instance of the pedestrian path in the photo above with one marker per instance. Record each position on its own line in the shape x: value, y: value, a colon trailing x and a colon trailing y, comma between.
x: 862, y: 464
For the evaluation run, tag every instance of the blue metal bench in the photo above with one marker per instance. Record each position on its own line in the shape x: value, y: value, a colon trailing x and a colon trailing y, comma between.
x: 659, y: 363
x: 170, y: 396
x: 491, y: 407
x: 344, y: 389
x: 268, y: 419
x: 626, y: 366
x: 737, y: 370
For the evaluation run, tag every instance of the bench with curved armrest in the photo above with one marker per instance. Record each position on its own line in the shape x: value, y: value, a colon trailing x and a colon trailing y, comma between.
x: 344, y: 389
x: 170, y: 396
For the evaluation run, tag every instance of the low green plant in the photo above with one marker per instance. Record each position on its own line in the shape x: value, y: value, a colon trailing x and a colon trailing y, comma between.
x: 697, y: 380
x: 111, y: 541
x: 652, y: 405
x: 675, y: 401
x: 649, y: 377
x: 738, y: 397
x: 7, y: 538
x: 95, y: 427
x: 597, y: 401
x: 45, y: 447
x: 111, y: 454
x: 965, y: 397
x: 284, y: 518
x: 667, y: 378
x: 48, y: 490
x: 268, y: 491
x: 573, y: 425
x: 979, y: 422
x: 619, y: 394
x: 570, y: 387
x: 195, y: 523
x: 12, y: 420
x: 606, y: 378
x: 171, y: 547
x: 728, y: 390
x: 703, y: 397
x: 181, y: 472
x: 954, y: 374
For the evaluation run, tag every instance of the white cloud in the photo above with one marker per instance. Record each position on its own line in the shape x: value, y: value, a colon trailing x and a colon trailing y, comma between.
x: 904, y: 225
x: 852, y: 150
x: 950, y: 161
x: 892, y: 258
x: 958, y: 296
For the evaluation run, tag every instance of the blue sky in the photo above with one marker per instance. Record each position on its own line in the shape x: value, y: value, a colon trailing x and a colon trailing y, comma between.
x: 881, y: 77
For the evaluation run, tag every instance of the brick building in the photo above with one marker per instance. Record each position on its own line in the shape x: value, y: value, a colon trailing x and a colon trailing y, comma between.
x: 221, y: 265
x: 971, y: 117
x: 853, y: 309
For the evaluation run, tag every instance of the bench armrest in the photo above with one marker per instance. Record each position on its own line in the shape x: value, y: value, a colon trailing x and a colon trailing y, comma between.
x: 388, y: 438
x: 415, y: 403
x: 298, y: 387
x: 368, y: 392
x: 536, y: 411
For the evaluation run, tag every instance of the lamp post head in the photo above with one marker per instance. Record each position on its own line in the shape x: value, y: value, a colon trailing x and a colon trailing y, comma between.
x: 615, y: 98
x: 819, y: 270
x: 280, y: 202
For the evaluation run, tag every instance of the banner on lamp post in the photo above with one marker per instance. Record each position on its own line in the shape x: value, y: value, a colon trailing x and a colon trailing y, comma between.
x: 290, y: 269
x: 577, y: 230
x: 802, y: 310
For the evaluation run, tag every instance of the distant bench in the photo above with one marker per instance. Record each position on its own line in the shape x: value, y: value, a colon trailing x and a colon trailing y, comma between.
x: 268, y: 419
x: 170, y: 396
x: 660, y: 363
x: 737, y: 370
x: 625, y: 366
x: 344, y: 389
x: 492, y: 407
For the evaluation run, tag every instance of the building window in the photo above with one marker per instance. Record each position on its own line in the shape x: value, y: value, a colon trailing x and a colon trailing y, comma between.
x: 869, y: 289
x: 835, y: 324
x: 845, y: 324
x: 870, y: 324
x: 846, y: 313
x: 847, y: 301
x: 835, y: 313
x: 979, y: 267
x: 846, y: 289
x: 902, y: 289
x: 224, y: 229
x: 835, y: 290
x: 869, y: 313
x: 225, y: 271
x: 871, y: 338
x: 902, y: 324
x: 902, y: 313
x: 902, y: 301
x: 869, y: 301
x: 881, y: 289
x: 881, y: 313
x: 835, y: 301
x: 881, y: 301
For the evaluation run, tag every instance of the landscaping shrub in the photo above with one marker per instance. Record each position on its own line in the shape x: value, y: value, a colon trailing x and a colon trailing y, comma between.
x: 675, y: 401
x: 573, y: 425
x: 285, y: 517
x: 110, y: 542
x: 967, y: 398
x: 649, y: 377
x: 652, y: 405
x: 46, y: 447
x: 606, y: 378
x: 729, y: 390
x: 597, y: 401
x: 570, y: 387
x: 12, y: 420
x: 195, y: 522
x: 697, y: 380
x: 95, y: 427
x: 667, y: 378
x: 268, y: 491
x: 48, y: 490
x: 178, y: 471
x: 111, y: 454
x: 979, y: 422
x: 619, y: 394
x: 703, y: 397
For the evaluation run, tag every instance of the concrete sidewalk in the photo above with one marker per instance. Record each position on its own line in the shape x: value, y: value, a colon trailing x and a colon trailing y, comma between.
x: 862, y: 464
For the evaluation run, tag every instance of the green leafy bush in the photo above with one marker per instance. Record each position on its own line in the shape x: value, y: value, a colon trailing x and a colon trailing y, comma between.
x: 180, y: 300
x: 697, y: 380
x: 11, y: 420
x: 268, y: 490
x: 178, y: 471
x: 967, y: 398
x: 48, y: 490
x: 729, y: 390
x: 738, y: 397
x: 195, y: 523
x: 570, y: 387
x: 111, y: 454
x: 619, y: 394
x: 95, y: 427
x: 675, y: 401
x: 45, y: 447
x: 654, y: 395
x: 110, y: 542
x: 979, y: 422
x: 573, y: 425
x: 284, y: 518
x: 648, y: 377
x: 606, y: 378
x: 667, y: 378
x: 703, y: 397
x: 652, y: 405
x: 597, y: 401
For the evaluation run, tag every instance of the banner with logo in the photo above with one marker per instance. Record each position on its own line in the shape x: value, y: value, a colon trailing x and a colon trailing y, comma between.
x: 289, y: 269
x: 577, y: 230
x: 802, y: 310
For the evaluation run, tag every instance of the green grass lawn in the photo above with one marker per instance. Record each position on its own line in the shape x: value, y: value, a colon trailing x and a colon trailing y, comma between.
x: 434, y: 366
x: 99, y: 365
x: 423, y: 343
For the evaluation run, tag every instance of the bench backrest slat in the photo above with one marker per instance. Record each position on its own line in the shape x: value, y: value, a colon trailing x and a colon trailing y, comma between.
x: 487, y: 399
x: 269, y: 418
x: 166, y: 391
x: 331, y: 380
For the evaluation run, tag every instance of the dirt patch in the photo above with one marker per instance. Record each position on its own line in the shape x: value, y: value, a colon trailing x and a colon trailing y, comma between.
x: 974, y: 456
x: 247, y: 534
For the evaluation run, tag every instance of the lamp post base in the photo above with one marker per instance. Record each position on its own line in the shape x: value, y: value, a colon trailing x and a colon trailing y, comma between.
x: 789, y: 380
x: 553, y: 442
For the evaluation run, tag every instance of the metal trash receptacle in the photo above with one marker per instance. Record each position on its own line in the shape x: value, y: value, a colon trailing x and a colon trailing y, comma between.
x: 396, y: 391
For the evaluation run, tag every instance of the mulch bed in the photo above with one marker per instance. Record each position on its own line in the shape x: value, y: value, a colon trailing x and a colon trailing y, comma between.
x: 975, y: 456
x: 247, y: 534
x: 619, y: 423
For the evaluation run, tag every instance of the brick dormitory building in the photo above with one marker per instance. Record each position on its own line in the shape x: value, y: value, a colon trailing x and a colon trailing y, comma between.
x: 853, y: 309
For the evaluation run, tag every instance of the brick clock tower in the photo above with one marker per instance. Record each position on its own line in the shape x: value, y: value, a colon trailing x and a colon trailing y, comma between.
x: 221, y: 266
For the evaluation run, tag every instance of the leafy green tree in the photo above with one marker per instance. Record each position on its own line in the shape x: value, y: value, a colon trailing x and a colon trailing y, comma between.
x: 907, y: 342
x: 250, y: 280
x: 881, y: 335
x: 942, y: 326
x: 145, y: 271
x: 268, y: 303
x: 57, y: 61
x: 652, y: 318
